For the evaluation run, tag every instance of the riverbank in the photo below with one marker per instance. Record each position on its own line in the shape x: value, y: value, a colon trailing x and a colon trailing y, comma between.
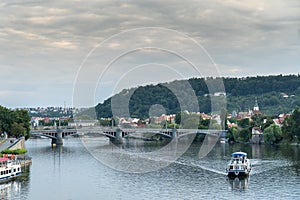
x: 17, y: 150
x: 26, y: 163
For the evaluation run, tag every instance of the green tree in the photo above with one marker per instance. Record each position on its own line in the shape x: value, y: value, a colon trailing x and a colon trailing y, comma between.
x: 204, y: 123
x: 235, y: 133
x: 272, y: 134
x: 190, y: 122
x: 223, y: 117
x: 105, y: 122
x: 187, y: 120
x: 178, y: 118
x: 241, y: 92
x: 244, y: 135
x: 229, y: 135
x: 257, y: 120
x: 17, y: 130
x: 268, y: 122
x: 287, y: 129
x: 291, y: 126
x: 244, y: 123
x: 13, y: 121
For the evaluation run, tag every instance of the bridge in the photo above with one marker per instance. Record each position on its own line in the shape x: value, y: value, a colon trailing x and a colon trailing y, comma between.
x: 55, y: 134
x: 116, y: 135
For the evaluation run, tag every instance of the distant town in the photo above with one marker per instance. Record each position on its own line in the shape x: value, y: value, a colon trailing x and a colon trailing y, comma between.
x: 253, y: 122
x: 44, y: 115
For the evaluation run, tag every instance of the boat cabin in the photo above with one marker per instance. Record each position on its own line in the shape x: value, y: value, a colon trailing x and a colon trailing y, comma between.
x: 9, y: 169
x: 238, y: 158
x: 239, y: 165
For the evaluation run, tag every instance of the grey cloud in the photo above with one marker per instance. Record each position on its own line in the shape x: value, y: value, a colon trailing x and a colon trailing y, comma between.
x: 52, y: 38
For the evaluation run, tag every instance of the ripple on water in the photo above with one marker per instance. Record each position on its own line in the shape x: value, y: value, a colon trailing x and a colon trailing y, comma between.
x: 262, y: 166
x: 73, y: 174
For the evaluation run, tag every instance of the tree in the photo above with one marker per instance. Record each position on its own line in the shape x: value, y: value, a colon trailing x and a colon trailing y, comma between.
x: 190, y: 121
x: 229, y: 134
x: 287, y: 129
x: 291, y: 126
x: 105, y: 122
x: 235, y: 133
x: 244, y: 123
x: 257, y: 120
x: 268, y: 122
x: 204, y: 123
x: 17, y: 130
x: 244, y: 135
x: 15, y: 122
x: 241, y: 92
x: 223, y: 117
x: 178, y: 118
x: 272, y: 134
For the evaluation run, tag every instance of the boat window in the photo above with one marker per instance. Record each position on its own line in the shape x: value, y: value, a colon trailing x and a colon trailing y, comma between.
x: 1, y: 172
x: 15, y: 170
x: 9, y: 171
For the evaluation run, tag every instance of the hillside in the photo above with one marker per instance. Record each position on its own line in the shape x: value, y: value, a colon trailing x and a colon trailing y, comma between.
x: 275, y: 95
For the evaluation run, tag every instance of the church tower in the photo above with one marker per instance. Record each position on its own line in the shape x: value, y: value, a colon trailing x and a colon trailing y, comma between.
x: 256, y: 107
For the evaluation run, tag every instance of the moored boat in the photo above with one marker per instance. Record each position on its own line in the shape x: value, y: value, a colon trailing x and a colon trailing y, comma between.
x: 239, y: 165
x: 9, y: 169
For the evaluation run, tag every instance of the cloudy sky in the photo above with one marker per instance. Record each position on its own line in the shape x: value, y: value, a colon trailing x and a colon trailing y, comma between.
x: 81, y: 52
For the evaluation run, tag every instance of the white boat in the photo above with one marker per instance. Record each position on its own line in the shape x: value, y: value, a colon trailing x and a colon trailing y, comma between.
x: 239, y: 165
x: 9, y: 169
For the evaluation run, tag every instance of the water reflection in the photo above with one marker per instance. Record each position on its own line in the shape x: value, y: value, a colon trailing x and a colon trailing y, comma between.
x: 238, y: 184
x: 8, y: 189
x: 137, y: 156
x: 189, y: 177
x: 57, y: 152
x: 13, y: 189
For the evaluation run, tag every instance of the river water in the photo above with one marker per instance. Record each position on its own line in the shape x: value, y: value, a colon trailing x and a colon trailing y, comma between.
x: 74, y: 172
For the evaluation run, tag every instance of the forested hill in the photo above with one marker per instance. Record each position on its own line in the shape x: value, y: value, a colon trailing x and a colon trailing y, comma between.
x: 275, y: 95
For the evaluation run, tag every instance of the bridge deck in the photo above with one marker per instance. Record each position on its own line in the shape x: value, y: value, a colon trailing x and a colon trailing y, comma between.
x: 109, y: 132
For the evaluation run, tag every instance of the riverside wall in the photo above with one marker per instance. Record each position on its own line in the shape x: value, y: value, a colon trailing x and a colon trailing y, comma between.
x: 18, y: 144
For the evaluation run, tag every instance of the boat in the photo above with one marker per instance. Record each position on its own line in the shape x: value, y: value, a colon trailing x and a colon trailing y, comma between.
x: 239, y: 165
x: 9, y: 169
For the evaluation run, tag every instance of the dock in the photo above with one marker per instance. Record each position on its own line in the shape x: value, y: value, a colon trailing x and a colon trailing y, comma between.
x: 25, y: 163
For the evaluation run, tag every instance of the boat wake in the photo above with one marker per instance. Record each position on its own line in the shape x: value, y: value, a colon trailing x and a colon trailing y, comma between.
x: 262, y: 166
x: 213, y: 165
x: 205, y: 165
x: 212, y: 170
x: 143, y: 159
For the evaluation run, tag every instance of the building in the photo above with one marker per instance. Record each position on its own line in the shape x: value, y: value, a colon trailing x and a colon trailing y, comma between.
x: 255, y: 110
x: 279, y: 121
x: 257, y: 135
x: 84, y: 123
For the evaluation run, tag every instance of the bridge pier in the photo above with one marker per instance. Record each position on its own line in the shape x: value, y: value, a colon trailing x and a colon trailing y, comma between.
x: 58, y: 140
x: 174, y: 135
x: 118, y: 139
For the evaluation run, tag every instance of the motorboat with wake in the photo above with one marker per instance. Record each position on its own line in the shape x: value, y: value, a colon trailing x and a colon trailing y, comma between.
x: 239, y: 165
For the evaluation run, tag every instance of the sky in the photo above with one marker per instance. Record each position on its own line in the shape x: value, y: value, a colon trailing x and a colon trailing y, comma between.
x: 79, y: 53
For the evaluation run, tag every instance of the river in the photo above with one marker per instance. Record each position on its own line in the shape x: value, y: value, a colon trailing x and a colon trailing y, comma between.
x: 74, y: 172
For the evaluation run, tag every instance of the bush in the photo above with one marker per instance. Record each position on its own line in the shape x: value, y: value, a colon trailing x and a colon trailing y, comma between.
x: 16, y: 151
